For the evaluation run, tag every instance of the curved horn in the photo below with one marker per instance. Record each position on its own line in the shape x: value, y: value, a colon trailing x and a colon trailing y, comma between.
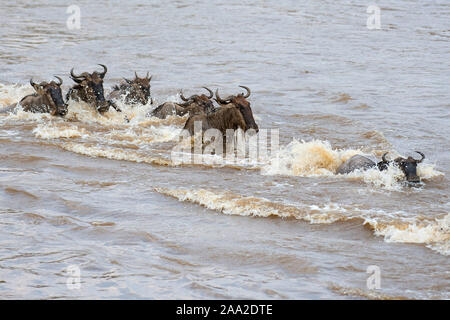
x: 182, y: 97
x: 211, y: 94
x: 135, y: 74
x: 105, y: 69
x: 147, y: 76
x: 74, y: 76
x: 248, y: 91
x: 423, y: 157
x: 384, y: 157
x: 60, y: 80
x: 127, y: 81
x: 226, y: 101
x: 33, y: 83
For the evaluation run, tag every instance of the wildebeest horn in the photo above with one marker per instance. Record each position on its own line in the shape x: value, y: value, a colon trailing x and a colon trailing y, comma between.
x: 33, y: 83
x: 135, y: 74
x: 423, y: 157
x: 248, y: 91
x: 220, y: 99
x: 211, y: 94
x: 127, y: 81
x: 74, y: 75
x: 60, y: 80
x: 384, y: 157
x: 182, y: 97
x: 188, y: 99
x: 147, y: 76
x: 105, y: 69
x: 77, y: 79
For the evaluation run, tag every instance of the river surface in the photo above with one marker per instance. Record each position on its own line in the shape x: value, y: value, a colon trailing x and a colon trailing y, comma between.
x: 95, y: 207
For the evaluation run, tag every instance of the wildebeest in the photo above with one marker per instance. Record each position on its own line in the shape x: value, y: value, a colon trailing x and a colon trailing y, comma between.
x: 408, y: 165
x: 47, y: 99
x: 195, y: 104
x: 235, y: 112
x: 89, y: 88
x: 136, y: 91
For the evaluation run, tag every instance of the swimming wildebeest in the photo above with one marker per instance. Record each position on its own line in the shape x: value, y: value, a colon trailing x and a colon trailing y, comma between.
x: 408, y: 165
x: 89, y: 88
x: 47, y: 99
x: 195, y: 104
x: 235, y: 112
x: 136, y: 91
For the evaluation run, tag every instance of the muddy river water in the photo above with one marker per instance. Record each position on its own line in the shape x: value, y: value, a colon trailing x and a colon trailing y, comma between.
x: 93, y: 206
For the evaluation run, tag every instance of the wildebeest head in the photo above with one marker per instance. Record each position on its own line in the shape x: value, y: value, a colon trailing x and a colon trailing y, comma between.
x: 202, y: 100
x: 139, y: 89
x: 90, y: 88
x: 408, y: 166
x: 52, y: 94
x: 241, y: 103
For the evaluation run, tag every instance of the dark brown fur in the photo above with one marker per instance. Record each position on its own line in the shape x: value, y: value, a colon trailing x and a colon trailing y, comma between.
x: 136, y: 91
x: 235, y: 113
x: 408, y: 165
x: 89, y: 88
x: 47, y: 99
x: 196, y: 104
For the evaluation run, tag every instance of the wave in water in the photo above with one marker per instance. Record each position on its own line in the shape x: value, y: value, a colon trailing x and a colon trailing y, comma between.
x: 10, y: 94
x: 317, y: 158
x: 114, y: 153
x: 306, y: 159
x: 56, y: 131
x: 132, y: 129
x: 365, y: 294
x: 394, y: 227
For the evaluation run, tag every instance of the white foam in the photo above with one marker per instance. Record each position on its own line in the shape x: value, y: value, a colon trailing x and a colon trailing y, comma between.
x: 394, y: 226
x: 54, y: 132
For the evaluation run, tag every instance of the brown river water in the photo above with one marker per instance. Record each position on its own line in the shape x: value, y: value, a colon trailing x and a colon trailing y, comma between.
x: 103, y: 196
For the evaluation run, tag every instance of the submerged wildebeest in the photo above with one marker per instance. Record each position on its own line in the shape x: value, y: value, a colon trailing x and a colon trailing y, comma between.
x: 235, y: 112
x: 89, y: 88
x: 47, y: 99
x: 136, y: 91
x: 195, y: 104
x: 408, y: 165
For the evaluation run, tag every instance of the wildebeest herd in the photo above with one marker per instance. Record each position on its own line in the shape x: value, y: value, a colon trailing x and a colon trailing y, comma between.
x: 233, y: 112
